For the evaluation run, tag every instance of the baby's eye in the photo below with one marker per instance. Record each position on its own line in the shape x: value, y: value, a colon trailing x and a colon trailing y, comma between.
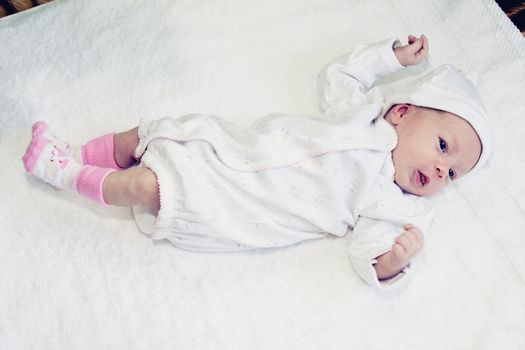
x: 442, y: 145
x: 451, y: 174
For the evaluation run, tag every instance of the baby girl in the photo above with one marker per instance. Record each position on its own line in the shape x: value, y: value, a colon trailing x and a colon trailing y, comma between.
x: 361, y: 165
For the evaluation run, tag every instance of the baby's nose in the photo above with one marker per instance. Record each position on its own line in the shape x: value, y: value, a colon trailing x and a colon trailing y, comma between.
x: 442, y: 170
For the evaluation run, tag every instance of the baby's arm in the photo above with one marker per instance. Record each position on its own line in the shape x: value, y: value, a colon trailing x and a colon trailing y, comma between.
x: 381, y: 246
x: 406, y: 246
x: 346, y: 80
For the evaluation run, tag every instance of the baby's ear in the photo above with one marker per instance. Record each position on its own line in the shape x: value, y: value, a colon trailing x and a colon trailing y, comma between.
x: 398, y: 113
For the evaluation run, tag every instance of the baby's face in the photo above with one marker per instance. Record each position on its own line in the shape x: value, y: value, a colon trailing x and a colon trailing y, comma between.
x: 433, y: 148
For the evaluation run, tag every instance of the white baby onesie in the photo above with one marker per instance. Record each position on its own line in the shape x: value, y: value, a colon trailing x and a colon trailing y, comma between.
x: 288, y: 178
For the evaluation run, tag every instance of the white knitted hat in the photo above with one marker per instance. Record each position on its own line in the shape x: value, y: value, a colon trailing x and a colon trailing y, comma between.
x: 450, y: 90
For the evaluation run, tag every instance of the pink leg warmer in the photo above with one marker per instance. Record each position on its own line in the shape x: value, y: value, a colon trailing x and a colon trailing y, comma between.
x: 90, y: 180
x: 100, y: 152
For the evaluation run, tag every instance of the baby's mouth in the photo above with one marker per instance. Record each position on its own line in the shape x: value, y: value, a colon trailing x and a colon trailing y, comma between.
x: 423, y: 180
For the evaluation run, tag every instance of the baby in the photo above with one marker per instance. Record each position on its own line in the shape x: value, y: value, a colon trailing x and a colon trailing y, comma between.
x: 205, y: 184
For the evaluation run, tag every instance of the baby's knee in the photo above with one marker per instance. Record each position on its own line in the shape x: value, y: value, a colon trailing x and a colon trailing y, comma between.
x: 146, y: 187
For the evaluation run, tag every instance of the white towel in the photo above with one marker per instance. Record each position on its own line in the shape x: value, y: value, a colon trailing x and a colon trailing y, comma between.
x: 74, y: 275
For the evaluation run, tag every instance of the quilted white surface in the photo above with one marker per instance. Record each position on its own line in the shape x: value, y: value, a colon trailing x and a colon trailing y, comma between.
x: 74, y: 275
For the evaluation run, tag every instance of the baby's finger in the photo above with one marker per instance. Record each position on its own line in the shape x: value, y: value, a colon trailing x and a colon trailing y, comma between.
x: 424, y: 46
x: 425, y: 42
x: 412, y: 231
x: 405, y: 242
x: 416, y: 45
x: 415, y: 237
x: 399, y: 253
x: 414, y: 241
x: 408, y: 226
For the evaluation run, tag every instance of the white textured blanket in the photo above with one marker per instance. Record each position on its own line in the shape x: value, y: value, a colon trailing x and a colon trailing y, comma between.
x: 74, y: 275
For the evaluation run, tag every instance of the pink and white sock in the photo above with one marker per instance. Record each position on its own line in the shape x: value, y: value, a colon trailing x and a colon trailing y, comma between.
x: 90, y: 181
x: 100, y: 152
x: 47, y: 159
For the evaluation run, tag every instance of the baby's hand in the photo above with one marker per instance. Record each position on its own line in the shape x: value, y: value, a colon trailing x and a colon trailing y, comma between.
x: 414, y: 52
x: 407, y: 245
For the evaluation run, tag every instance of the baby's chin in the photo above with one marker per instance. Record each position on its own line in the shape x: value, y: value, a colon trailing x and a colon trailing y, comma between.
x: 420, y: 192
x: 410, y: 189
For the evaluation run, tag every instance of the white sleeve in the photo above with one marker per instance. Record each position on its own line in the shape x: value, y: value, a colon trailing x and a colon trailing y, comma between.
x: 345, y: 81
x: 376, y: 230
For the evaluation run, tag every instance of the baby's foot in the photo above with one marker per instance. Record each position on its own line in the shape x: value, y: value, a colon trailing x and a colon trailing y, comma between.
x: 47, y: 158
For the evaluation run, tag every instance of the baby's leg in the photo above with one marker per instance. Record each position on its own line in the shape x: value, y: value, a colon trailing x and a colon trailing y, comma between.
x: 125, y: 144
x: 131, y: 187
x: 47, y: 158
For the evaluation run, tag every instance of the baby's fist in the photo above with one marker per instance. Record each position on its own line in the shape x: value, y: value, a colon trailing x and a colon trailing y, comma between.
x: 406, y: 246
x: 414, y: 52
